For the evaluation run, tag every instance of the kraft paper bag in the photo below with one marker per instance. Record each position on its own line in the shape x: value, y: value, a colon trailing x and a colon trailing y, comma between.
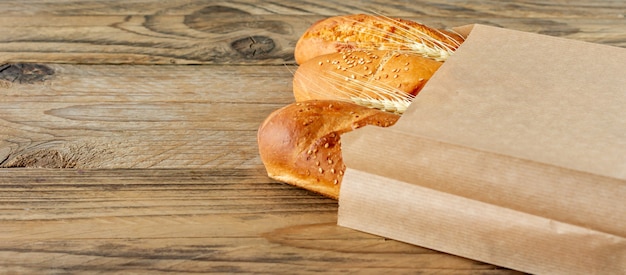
x: 513, y: 154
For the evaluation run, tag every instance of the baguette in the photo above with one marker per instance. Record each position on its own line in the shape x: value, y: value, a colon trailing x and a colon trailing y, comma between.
x: 300, y: 144
x: 355, y: 70
x: 384, y: 80
x: 374, y: 32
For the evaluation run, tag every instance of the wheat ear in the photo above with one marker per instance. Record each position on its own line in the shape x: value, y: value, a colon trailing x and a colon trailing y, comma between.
x: 370, y: 94
x: 415, y: 40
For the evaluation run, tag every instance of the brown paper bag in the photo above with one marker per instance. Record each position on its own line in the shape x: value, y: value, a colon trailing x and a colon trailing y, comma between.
x: 513, y: 154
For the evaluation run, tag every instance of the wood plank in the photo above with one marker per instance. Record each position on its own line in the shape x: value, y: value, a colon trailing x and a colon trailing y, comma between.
x: 139, y: 116
x: 252, y: 33
x: 201, y: 38
x: 440, y: 8
x: 189, y: 221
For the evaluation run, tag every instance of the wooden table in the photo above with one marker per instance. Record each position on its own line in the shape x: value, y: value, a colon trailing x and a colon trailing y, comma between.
x: 128, y: 134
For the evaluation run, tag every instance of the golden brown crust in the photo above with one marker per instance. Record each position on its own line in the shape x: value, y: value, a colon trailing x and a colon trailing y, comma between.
x: 300, y: 144
x: 362, y: 73
x: 362, y: 31
x: 342, y: 58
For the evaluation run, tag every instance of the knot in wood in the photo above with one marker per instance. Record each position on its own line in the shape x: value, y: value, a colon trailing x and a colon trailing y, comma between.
x: 25, y: 73
x: 254, y: 47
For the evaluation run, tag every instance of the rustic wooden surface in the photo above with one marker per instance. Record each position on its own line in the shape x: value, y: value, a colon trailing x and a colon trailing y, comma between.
x: 127, y: 134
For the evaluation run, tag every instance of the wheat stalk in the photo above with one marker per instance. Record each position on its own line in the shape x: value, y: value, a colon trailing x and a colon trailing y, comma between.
x: 372, y: 94
x: 375, y: 94
x: 411, y: 38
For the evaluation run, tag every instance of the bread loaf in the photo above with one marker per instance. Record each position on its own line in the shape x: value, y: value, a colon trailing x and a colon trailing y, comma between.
x: 300, y: 144
x: 385, y: 80
x: 374, y: 32
x: 355, y: 70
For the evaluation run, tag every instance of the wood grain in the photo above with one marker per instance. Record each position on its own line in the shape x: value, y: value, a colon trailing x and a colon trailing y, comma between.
x: 139, y: 116
x: 473, y: 8
x: 189, y: 221
x: 253, y: 32
x: 109, y: 164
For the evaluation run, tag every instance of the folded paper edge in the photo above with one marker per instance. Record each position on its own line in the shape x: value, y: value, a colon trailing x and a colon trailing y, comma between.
x: 588, y: 200
x: 464, y: 30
